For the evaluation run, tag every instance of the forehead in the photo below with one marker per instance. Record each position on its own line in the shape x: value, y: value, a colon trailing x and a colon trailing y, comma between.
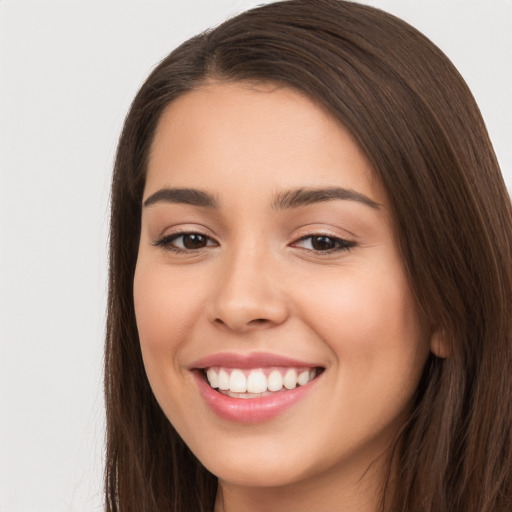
x: 244, y: 132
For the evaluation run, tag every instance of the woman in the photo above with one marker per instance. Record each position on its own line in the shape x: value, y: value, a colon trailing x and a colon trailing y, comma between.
x: 310, y: 276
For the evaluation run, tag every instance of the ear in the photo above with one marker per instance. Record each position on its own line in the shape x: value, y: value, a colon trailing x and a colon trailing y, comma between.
x: 439, y: 344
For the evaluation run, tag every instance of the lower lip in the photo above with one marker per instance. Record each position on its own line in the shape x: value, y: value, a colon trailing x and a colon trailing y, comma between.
x: 250, y: 410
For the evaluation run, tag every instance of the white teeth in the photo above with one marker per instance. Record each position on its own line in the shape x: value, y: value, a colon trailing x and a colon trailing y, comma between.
x: 275, y: 381
x: 256, y: 382
x: 212, y: 377
x: 223, y: 381
x: 290, y: 379
x: 303, y: 378
x: 239, y: 383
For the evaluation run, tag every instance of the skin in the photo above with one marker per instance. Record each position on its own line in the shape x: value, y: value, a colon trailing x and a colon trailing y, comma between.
x: 259, y: 285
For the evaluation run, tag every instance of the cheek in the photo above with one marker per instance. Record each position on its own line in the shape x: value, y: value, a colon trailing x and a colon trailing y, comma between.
x: 164, y: 316
x: 165, y: 320
x: 370, y: 323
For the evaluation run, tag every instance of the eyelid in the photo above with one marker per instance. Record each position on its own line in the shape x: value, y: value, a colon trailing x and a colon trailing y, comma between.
x: 168, y: 237
x: 323, y: 229
x: 341, y: 244
x: 345, y: 240
x: 183, y: 228
x: 165, y: 239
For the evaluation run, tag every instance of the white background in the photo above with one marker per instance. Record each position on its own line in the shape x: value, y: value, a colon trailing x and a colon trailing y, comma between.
x: 68, y: 71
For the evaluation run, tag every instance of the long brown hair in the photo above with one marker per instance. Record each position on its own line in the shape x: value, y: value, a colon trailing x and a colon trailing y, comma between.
x: 419, y: 125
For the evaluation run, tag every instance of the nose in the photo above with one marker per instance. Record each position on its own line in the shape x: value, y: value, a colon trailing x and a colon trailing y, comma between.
x: 249, y: 294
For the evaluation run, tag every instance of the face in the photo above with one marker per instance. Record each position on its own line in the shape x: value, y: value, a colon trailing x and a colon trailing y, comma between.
x: 277, y: 326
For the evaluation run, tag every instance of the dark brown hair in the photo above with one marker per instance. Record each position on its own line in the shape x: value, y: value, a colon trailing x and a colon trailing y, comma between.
x: 419, y: 125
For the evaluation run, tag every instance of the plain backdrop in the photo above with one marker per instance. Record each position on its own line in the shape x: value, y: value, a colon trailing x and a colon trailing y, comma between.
x: 68, y: 71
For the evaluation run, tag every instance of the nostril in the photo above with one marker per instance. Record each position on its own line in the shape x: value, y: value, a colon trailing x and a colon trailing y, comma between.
x: 252, y: 323
x: 258, y: 321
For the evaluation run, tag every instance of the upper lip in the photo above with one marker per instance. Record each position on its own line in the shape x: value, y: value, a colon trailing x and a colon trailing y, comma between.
x: 250, y: 360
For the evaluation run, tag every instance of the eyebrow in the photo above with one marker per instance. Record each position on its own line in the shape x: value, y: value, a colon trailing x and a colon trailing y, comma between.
x: 306, y: 196
x: 284, y: 200
x: 190, y: 196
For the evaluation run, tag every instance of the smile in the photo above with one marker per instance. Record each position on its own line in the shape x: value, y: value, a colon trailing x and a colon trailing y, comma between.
x: 253, y: 388
x: 257, y: 382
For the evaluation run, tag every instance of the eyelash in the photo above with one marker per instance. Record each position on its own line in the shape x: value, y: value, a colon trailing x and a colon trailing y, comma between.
x: 339, y: 244
x: 166, y: 242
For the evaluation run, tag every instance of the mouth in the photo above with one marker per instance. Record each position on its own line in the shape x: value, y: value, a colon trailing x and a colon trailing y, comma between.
x: 250, y: 383
x: 255, y: 387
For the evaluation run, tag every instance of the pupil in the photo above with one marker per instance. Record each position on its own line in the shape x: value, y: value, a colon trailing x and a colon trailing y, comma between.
x: 194, y: 241
x: 322, y: 243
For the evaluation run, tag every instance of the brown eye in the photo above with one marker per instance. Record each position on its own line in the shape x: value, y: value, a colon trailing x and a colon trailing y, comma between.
x: 194, y: 241
x: 182, y: 242
x: 323, y: 243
